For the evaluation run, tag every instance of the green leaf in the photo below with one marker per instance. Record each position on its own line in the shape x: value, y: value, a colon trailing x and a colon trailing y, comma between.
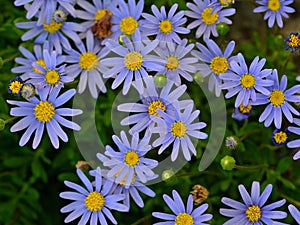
x: 287, y: 183
x: 15, y: 162
x: 284, y: 164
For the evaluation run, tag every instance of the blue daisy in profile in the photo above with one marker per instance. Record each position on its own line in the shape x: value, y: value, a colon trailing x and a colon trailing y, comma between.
x: 178, y: 130
x: 278, y: 102
x: 253, y: 210
x: 178, y: 63
x: 293, y: 42
x: 132, y: 62
x: 215, y: 62
x: 42, y: 112
x: 295, y: 143
x: 152, y: 99
x: 57, y: 33
x: 242, y: 112
x: 165, y: 27
x: 275, y: 10
x: 294, y: 212
x: 246, y: 82
x: 129, y: 162
x: 183, y: 215
x: 93, y: 203
x: 15, y: 86
x: 207, y: 14
x: 86, y: 64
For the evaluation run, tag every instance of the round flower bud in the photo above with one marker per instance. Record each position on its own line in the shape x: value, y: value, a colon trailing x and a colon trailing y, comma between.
x: 227, y: 162
x: 160, y: 80
x: 59, y: 16
x: 223, y: 28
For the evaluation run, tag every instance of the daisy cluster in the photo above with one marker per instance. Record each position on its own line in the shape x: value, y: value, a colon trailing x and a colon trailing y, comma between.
x: 93, y: 44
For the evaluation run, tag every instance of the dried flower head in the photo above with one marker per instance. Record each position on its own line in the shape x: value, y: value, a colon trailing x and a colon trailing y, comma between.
x: 199, y: 193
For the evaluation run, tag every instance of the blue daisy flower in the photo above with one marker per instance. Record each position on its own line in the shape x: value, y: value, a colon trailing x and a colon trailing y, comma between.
x: 295, y: 143
x: 56, y: 33
x: 178, y: 63
x: 295, y: 213
x: 242, y: 112
x: 130, y: 161
x: 164, y: 26
x: 178, y: 130
x: 49, y: 74
x: 132, y: 61
x: 215, y: 62
x: 93, y: 202
x: 280, y: 137
x: 44, y: 112
x: 86, y: 64
x: 278, y: 102
x: 15, y: 86
x: 152, y: 99
x: 275, y: 10
x: 293, y: 42
x: 207, y: 14
x: 245, y: 81
x: 253, y: 210
x: 182, y: 215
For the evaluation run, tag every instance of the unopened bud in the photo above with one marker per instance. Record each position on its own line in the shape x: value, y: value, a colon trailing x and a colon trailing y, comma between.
x: 160, y: 80
x: 223, y: 28
x: 227, y: 162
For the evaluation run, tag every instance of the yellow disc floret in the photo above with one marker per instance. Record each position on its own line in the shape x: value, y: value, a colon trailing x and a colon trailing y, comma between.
x: 153, y: 106
x: 42, y: 63
x: 253, y: 213
x: 277, y: 98
x: 219, y: 65
x: 128, y: 25
x: 179, y: 129
x: 94, y: 201
x: 44, y: 111
x: 245, y: 109
x: 101, y: 13
x: 172, y: 63
x: 184, y: 219
x: 53, y: 27
x: 15, y: 87
x: 133, y: 60
x: 165, y: 26
x: 274, y: 5
x: 208, y: 17
x: 88, y: 61
x: 248, y: 81
x: 132, y: 158
x: 52, y: 77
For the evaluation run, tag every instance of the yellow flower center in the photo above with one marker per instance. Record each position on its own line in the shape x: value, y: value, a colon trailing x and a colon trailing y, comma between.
x: 53, y: 27
x: 44, y: 111
x: 172, y: 63
x: 128, y: 25
x: 184, y: 219
x: 131, y: 158
x: 225, y: 2
x: 274, y: 5
x: 42, y: 63
x: 280, y: 137
x: 101, y: 13
x: 219, y: 65
x: 153, y: 106
x: 209, y: 18
x: 294, y: 41
x: 179, y: 129
x: 133, y: 61
x: 15, y: 87
x: 94, y: 201
x: 88, y: 61
x: 277, y: 98
x: 253, y: 213
x: 52, y: 77
x: 165, y: 26
x: 248, y: 81
x: 245, y: 109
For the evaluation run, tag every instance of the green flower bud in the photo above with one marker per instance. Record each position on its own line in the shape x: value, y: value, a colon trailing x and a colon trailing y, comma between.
x: 160, y: 80
x: 223, y: 28
x: 168, y: 176
x: 279, y: 40
x: 227, y: 162
x: 2, y: 124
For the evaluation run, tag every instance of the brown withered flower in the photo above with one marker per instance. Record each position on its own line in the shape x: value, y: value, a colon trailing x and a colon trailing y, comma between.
x: 83, y: 165
x: 199, y: 193
x: 102, y: 26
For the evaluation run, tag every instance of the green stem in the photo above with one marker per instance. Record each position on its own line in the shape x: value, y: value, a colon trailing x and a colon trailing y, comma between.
x: 197, y: 173
x: 143, y: 219
x: 296, y: 203
x: 10, y: 58
x: 251, y: 132
x: 10, y: 119
x: 251, y: 168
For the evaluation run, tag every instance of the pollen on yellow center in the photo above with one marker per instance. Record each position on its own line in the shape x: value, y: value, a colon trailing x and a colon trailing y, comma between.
x: 153, y: 106
x: 208, y: 17
x: 277, y: 98
x: 15, y: 87
x: 225, y: 2
x: 280, y: 137
x: 52, y: 77
x: 101, y: 13
x: 53, y: 27
x: 253, y: 213
x: 172, y: 63
x: 294, y: 41
x: 179, y: 129
x: 44, y: 111
x: 248, y: 81
x: 132, y: 158
x: 165, y: 26
x: 184, y: 219
x: 133, y: 60
x: 94, y: 201
x: 128, y: 25
x: 219, y: 65
x: 88, y: 61
x: 42, y: 63
x: 274, y: 5
x: 245, y: 109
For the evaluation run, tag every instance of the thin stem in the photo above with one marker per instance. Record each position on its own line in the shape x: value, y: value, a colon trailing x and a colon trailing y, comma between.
x: 251, y: 168
x: 10, y: 119
x: 296, y: 203
x: 10, y: 58
x: 251, y: 132
x: 143, y: 219
x: 197, y: 173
